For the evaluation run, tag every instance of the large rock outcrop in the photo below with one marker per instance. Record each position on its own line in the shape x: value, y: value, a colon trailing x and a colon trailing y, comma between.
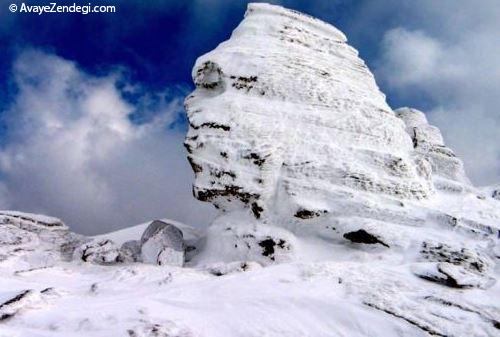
x: 31, y: 241
x: 286, y: 107
x: 288, y: 123
x: 291, y: 139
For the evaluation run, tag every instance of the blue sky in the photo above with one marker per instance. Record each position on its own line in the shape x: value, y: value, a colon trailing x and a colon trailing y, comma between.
x: 60, y: 154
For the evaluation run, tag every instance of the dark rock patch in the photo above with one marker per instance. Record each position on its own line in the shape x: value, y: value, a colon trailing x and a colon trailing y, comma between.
x: 256, y: 210
x: 255, y: 158
x: 362, y: 236
x: 308, y: 214
x: 215, y: 126
x: 230, y: 190
x: 270, y: 245
x: 196, y: 168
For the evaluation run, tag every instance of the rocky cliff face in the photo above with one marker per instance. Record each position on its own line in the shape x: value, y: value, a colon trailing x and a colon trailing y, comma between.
x: 285, y: 109
x: 292, y: 140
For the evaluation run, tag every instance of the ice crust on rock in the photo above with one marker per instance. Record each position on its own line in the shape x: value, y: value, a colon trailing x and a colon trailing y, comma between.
x: 287, y: 123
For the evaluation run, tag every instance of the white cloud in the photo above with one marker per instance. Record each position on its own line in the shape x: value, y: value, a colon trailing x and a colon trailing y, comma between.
x: 450, y: 59
x: 73, y: 152
x: 413, y: 56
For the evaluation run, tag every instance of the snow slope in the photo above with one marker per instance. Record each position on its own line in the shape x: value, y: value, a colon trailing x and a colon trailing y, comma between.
x: 338, y: 215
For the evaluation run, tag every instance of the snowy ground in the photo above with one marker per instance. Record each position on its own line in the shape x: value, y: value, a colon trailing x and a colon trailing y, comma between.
x: 322, y: 298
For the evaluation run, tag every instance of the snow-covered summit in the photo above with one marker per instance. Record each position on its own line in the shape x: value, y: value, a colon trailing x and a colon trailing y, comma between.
x: 286, y: 107
x: 289, y: 129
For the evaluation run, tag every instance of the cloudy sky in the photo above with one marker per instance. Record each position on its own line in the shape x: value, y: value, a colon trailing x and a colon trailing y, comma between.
x: 91, y: 117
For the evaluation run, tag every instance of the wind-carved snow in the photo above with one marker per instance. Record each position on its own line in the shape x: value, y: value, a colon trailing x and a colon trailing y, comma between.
x: 338, y: 216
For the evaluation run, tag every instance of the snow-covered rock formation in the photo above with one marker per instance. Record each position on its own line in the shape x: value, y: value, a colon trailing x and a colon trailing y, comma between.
x: 31, y: 241
x: 161, y: 243
x: 429, y: 145
x: 292, y: 140
x: 338, y: 215
x: 286, y: 110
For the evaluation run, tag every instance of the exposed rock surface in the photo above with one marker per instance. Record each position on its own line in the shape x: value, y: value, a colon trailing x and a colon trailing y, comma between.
x: 100, y: 252
x: 492, y: 191
x: 131, y: 251
x: 162, y: 243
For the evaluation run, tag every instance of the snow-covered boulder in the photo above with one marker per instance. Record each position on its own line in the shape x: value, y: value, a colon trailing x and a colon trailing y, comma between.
x: 131, y: 251
x: 104, y: 252
x: 163, y: 244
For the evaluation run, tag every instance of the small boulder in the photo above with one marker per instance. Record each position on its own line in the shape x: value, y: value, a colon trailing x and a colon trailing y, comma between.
x: 131, y: 251
x: 163, y: 244
x: 99, y: 252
